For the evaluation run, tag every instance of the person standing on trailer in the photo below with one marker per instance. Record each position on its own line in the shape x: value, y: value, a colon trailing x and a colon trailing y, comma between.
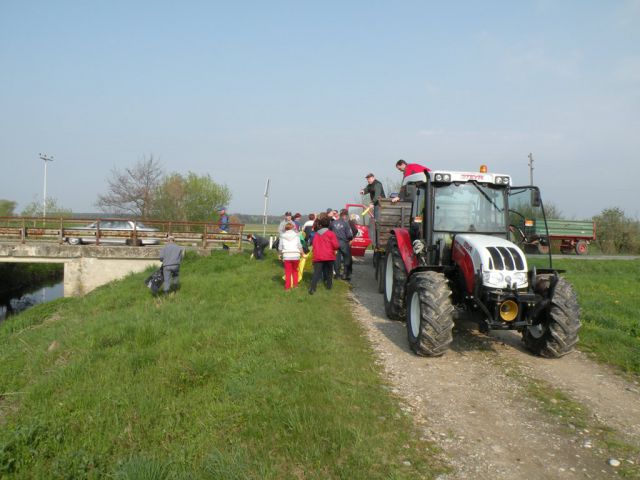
x: 375, y: 191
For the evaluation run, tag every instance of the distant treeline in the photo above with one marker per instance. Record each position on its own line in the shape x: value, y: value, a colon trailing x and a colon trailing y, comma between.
x: 241, y: 217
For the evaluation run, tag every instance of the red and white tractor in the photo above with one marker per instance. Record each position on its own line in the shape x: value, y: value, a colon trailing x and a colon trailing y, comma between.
x: 448, y: 249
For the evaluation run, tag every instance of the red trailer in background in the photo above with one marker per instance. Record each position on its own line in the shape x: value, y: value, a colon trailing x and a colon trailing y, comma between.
x: 361, y: 215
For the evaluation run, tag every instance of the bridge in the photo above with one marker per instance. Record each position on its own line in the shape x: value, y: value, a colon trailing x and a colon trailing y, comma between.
x: 95, y: 256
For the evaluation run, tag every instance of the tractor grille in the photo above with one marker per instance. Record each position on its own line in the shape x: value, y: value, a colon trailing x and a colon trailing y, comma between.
x: 505, y: 259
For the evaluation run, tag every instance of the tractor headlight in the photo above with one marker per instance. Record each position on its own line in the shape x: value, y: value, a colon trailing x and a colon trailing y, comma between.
x: 502, y: 180
x: 442, y: 177
x: 493, y: 278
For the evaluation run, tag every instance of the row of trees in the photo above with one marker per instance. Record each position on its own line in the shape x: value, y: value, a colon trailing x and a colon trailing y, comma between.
x: 617, y: 233
x: 145, y: 191
x: 34, y: 209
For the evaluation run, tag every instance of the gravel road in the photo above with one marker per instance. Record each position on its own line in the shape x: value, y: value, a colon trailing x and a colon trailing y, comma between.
x: 475, y: 404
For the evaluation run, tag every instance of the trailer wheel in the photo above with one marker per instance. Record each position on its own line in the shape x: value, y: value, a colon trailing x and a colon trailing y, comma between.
x: 376, y: 261
x: 582, y: 247
x: 380, y: 276
x: 555, y: 330
x: 395, y: 278
x: 429, y: 314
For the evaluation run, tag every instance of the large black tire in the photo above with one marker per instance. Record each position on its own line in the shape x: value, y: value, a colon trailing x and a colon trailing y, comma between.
x: 429, y: 314
x: 395, y: 277
x: 555, y: 331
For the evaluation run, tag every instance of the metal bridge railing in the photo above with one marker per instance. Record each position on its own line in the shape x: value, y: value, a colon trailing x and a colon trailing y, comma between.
x: 75, y: 230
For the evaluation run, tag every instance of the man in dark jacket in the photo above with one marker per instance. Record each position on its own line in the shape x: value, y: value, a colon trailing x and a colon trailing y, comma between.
x: 344, y: 234
x: 259, y: 244
x: 171, y: 256
x: 375, y: 191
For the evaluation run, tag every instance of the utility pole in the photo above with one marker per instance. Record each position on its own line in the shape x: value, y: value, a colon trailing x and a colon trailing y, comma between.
x: 266, y: 206
x: 530, y: 168
x: 46, y: 158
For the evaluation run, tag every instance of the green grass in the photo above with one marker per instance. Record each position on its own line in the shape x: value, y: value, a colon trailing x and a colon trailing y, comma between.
x: 610, y: 306
x: 230, y: 378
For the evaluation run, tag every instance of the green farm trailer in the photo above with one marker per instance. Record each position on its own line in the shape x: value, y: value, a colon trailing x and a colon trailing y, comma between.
x: 573, y: 235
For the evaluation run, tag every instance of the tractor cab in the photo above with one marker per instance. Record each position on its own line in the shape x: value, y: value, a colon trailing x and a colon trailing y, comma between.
x: 445, y: 204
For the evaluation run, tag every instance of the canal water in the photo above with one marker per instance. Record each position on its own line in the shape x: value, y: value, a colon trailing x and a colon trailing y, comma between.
x: 21, y: 300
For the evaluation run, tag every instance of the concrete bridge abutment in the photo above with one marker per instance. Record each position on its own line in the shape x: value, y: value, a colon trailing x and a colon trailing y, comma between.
x: 85, y: 267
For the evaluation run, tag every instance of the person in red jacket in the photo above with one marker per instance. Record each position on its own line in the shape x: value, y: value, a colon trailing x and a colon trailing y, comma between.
x: 410, y: 168
x: 325, y: 244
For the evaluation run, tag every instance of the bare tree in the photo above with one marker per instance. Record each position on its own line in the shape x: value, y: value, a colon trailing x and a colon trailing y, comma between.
x: 132, y: 190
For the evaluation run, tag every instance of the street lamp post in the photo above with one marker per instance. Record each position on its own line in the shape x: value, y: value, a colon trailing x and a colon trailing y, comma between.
x: 46, y: 158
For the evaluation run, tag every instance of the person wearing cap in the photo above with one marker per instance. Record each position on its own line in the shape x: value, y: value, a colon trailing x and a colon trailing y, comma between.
x: 375, y: 191
x: 223, y: 222
x: 171, y: 257
x: 344, y: 234
x: 283, y: 223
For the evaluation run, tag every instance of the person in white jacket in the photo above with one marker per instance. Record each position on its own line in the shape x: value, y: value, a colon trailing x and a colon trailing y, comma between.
x: 290, y: 249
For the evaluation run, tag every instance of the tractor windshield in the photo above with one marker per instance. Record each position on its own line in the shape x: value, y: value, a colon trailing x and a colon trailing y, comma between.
x: 469, y: 207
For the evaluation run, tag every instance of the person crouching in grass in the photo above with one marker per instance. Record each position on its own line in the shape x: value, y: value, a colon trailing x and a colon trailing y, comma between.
x: 325, y: 245
x: 290, y: 249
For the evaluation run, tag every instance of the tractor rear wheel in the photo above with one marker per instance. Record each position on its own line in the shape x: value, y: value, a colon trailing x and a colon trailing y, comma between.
x: 555, y: 331
x: 429, y: 314
x: 395, y: 277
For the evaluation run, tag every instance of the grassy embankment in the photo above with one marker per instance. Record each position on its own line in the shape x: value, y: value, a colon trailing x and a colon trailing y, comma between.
x: 610, y: 305
x: 230, y: 378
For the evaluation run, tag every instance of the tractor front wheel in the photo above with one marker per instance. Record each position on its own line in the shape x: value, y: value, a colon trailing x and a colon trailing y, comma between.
x: 429, y: 314
x: 555, y: 330
x: 395, y: 276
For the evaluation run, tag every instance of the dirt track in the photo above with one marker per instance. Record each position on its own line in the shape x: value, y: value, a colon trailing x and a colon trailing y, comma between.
x: 475, y: 404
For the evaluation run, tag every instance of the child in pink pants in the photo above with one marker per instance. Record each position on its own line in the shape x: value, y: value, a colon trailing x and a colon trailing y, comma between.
x: 290, y: 249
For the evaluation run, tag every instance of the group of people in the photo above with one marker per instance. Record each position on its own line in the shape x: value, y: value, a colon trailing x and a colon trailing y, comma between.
x: 328, y: 235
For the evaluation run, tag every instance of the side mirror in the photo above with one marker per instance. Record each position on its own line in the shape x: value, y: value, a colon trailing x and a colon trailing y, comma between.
x: 536, y: 201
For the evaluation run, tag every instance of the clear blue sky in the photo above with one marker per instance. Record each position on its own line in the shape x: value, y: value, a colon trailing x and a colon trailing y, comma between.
x: 315, y: 95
